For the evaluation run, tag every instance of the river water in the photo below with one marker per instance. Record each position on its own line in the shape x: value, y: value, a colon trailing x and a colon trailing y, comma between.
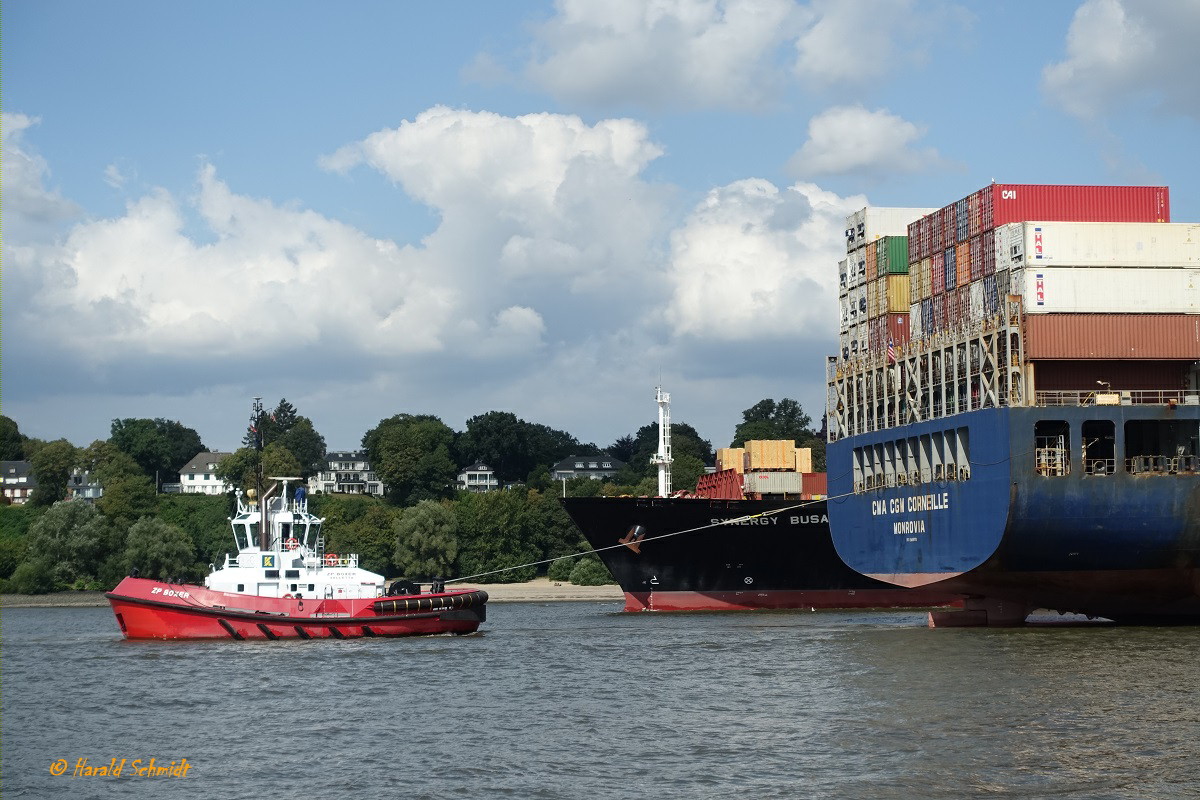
x: 578, y: 700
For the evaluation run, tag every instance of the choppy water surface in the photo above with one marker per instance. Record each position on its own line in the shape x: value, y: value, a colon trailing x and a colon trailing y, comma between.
x: 569, y: 700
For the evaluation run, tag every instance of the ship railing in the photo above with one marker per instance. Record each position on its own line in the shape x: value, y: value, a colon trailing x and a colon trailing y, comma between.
x: 331, y: 560
x: 1112, y: 397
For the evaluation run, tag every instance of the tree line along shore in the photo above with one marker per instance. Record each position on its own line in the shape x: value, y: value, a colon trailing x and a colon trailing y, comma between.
x: 422, y: 528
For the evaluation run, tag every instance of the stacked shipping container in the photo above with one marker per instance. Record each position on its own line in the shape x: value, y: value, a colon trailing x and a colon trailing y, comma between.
x: 967, y: 256
x: 1100, y: 273
x: 875, y: 281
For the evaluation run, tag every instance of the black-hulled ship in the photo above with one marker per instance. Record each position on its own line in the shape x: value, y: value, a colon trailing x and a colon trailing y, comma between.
x: 708, y: 554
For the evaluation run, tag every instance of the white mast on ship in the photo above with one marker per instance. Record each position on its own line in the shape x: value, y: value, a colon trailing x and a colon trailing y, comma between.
x: 663, y: 457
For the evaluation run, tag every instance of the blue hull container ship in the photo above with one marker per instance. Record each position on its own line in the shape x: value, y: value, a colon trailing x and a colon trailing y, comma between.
x: 1028, y: 434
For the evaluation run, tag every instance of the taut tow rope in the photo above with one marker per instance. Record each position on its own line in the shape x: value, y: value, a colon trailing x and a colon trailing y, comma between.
x: 733, y: 521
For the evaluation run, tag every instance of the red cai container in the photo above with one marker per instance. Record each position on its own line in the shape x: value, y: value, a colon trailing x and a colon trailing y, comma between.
x: 1138, y: 337
x: 896, y: 329
x: 948, y: 225
x: 938, y: 263
x: 1013, y: 202
x: 935, y: 232
x: 926, y: 237
x: 989, y: 253
x: 914, y: 237
x: 976, y: 257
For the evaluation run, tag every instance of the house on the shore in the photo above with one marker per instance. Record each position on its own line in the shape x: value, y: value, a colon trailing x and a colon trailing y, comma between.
x: 346, y: 472
x: 597, y: 467
x: 478, y: 477
x: 16, y: 478
x: 198, y: 476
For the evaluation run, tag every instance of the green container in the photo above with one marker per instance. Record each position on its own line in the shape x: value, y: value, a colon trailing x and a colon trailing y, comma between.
x: 891, y: 255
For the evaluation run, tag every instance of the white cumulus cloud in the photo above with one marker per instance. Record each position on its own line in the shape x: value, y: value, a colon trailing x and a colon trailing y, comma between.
x: 731, y: 54
x: 1122, y: 52
x: 668, y: 53
x: 852, y: 139
x: 754, y: 261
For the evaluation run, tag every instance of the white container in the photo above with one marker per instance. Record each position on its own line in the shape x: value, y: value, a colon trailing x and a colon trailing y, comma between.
x: 843, y: 274
x: 977, y: 309
x: 772, y: 482
x: 914, y: 321
x: 1108, y: 290
x: 868, y: 224
x: 1098, y: 244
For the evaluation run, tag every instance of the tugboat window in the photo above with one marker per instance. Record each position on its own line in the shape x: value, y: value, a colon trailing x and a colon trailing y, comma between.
x: 241, y: 587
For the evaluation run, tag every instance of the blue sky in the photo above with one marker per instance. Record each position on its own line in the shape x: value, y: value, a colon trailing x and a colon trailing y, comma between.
x: 537, y: 207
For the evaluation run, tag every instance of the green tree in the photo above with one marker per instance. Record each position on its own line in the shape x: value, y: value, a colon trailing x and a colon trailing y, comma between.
x: 306, y: 446
x: 160, y: 551
x: 499, y: 440
x: 624, y: 448
x: 590, y: 571
x: 685, y: 441
x: 359, y: 524
x: 205, y: 518
x: 411, y: 455
x: 159, y: 446
x: 426, y: 541
x: 296, y: 433
x: 686, y: 469
x: 560, y: 569
x: 540, y: 479
x: 498, y: 531
x: 12, y: 443
x: 51, y: 467
x: 240, y: 468
x: 768, y: 420
x: 74, y: 541
x: 127, y: 498
x: 15, y: 522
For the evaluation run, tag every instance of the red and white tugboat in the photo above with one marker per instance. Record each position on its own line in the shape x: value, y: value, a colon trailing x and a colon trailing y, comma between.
x: 283, y: 585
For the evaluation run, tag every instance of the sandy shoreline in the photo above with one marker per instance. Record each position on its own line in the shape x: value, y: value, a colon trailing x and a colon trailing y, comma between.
x: 538, y: 590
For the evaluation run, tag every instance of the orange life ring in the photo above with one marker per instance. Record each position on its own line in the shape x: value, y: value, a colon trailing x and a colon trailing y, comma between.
x: 331, y: 559
x: 292, y: 543
x: 287, y: 597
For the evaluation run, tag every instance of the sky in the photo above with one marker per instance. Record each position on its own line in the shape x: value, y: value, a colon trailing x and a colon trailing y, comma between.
x: 545, y: 208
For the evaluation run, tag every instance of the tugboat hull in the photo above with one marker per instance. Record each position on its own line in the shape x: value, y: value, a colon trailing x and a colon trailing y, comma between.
x: 147, y: 609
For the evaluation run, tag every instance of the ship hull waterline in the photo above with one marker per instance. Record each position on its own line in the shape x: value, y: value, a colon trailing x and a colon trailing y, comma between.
x: 699, y: 554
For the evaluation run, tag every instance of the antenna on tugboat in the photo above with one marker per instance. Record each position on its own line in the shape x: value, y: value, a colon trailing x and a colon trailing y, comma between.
x: 256, y: 428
